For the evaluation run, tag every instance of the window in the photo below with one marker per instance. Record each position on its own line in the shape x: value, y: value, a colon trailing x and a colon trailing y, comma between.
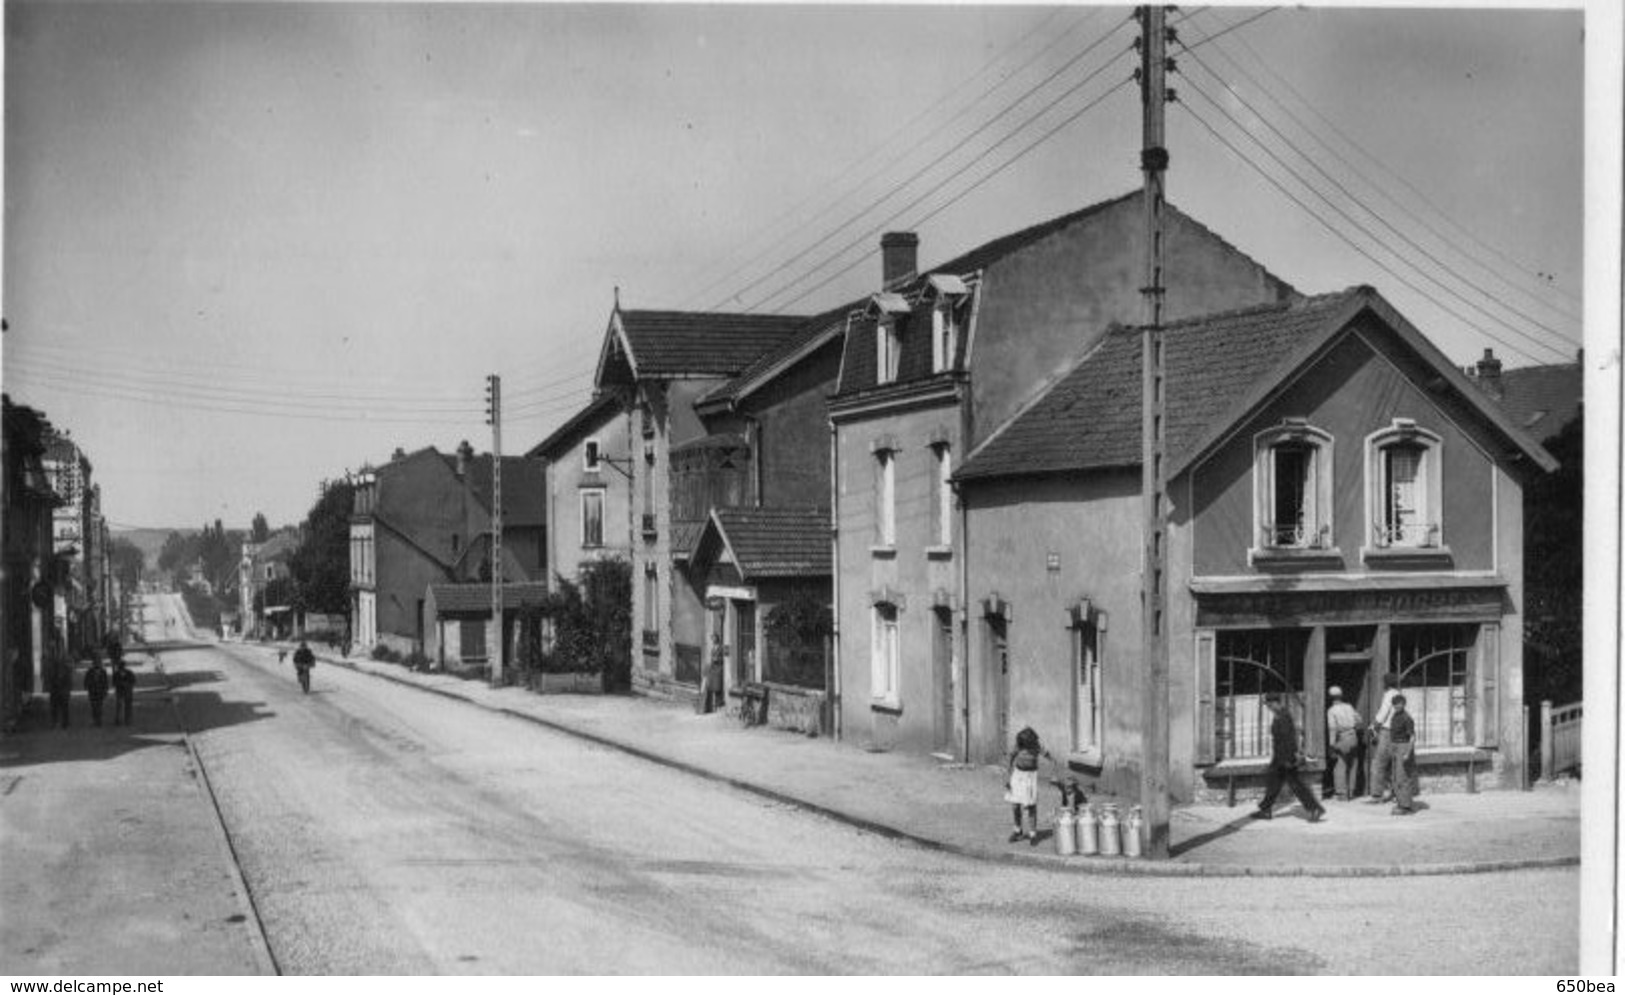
x: 1432, y: 663
x: 1403, y: 469
x: 884, y: 655
x: 886, y: 497
x: 651, y: 597
x: 592, y: 517
x: 589, y: 456
x: 1088, y: 713
x: 888, y: 344
x: 456, y: 543
x: 1250, y: 664
x: 944, y: 337
x: 471, y: 640
x: 1293, y: 483
x: 942, y: 505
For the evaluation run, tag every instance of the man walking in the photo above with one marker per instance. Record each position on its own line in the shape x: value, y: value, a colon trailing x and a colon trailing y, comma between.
x: 59, y: 685
x: 1283, y: 767
x: 123, y: 693
x: 96, y: 684
x: 1343, y: 733
x: 1380, y: 788
x: 1402, y: 740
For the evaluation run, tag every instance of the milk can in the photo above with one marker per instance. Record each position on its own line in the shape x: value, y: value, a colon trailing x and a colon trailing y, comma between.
x: 1066, y: 838
x: 1088, y: 841
x: 1131, y: 832
x: 1110, y: 845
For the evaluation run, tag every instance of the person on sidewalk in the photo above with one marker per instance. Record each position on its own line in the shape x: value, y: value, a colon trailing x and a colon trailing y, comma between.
x: 1343, y: 735
x: 711, y: 695
x: 1380, y: 788
x: 59, y: 686
x: 1283, y: 768
x: 303, y: 660
x: 1021, y: 782
x: 96, y: 685
x: 1402, y: 745
x: 123, y: 693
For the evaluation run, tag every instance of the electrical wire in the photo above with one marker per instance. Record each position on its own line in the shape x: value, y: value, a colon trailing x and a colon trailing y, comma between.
x: 899, y: 187
x: 1239, y: 24
x: 1341, y: 235
x: 1371, y: 211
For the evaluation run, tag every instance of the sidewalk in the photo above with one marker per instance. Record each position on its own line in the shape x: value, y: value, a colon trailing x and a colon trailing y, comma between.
x: 959, y: 808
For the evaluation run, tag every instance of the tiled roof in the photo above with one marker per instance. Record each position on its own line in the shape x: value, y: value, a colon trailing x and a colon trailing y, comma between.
x: 697, y: 343
x: 1541, y: 399
x: 684, y: 537
x: 476, y: 598
x: 597, y: 411
x: 829, y: 323
x: 777, y: 542
x: 1090, y: 418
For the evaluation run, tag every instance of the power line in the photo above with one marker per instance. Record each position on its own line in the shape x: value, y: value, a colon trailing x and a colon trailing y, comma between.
x: 1362, y: 228
x: 896, y: 189
x: 1338, y: 233
x: 959, y: 196
x: 1239, y: 24
x: 1368, y: 209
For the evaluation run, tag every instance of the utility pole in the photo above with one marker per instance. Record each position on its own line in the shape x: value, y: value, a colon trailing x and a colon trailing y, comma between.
x: 493, y: 412
x: 1153, y: 577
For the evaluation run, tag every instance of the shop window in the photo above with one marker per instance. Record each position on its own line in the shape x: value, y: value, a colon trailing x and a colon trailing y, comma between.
x: 1402, y: 467
x: 1433, y: 664
x: 883, y: 658
x: 1293, y: 483
x: 592, y: 517
x: 1088, y: 712
x: 1248, y: 665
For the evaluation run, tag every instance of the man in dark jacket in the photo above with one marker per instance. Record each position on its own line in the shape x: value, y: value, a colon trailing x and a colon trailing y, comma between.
x: 1402, y: 741
x: 96, y: 685
x: 1283, y: 767
x: 123, y: 693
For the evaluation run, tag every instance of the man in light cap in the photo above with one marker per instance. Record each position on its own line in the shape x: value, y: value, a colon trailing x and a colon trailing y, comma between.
x: 1343, y: 733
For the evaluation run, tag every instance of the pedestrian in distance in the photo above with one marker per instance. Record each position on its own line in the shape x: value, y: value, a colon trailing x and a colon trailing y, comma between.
x: 59, y: 686
x: 123, y: 693
x: 1343, y: 736
x: 96, y: 685
x: 303, y: 660
x: 1402, y: 744
x: 711, y: 693
x: 1021, y: 783
x: 1380, y: 788
x: 1285, y: 760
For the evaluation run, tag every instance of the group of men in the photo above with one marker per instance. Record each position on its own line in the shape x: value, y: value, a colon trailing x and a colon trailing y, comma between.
x: 98, y: 681
x: 1393, y: 767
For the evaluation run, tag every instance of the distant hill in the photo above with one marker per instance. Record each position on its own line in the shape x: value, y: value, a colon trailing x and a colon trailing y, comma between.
x: 150, y: 541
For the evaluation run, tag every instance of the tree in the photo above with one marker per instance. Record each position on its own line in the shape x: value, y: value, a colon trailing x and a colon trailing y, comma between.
x: 176, y: 552
x: 129, y: 562
x: 321, y: 563
x: 1554, y: 556
x: 260, y: 530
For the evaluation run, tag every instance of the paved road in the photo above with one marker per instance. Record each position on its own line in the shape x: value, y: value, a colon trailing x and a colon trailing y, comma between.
x: 384, y: 830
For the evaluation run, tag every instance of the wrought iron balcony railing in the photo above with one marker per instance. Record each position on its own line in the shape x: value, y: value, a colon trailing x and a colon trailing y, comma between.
x: 1416, y: 535
x: 1295, y: 536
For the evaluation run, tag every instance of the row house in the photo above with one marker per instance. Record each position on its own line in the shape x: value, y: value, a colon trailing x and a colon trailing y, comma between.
x: 589, y: 492
x: 425, y: 519
x: 76, y: 522
x: 264, y: 585
x: 1344, y: 505
x: 932, y: 362
x: 660, y: 364
x: 27, y: 578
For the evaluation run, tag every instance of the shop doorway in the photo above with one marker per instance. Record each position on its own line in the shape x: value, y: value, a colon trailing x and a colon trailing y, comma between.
x: 1349, y: 667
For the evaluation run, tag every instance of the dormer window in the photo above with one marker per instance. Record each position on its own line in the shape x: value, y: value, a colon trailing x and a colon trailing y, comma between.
x: 1293, y: 484
x: 948, y: 293
x: 1403, y: 496
x: 888, y: 347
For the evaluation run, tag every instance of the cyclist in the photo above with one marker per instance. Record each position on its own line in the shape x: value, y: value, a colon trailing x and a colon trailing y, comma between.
x: 303, y: 660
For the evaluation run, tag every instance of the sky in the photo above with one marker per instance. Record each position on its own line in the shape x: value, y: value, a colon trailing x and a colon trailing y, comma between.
x: 250, y: 247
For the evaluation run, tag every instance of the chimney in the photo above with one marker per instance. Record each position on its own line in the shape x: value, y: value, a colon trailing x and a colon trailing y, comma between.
x: 399, y: 453
x: 465, y: 452
x: 1489, y: 374
x: 899, y: 252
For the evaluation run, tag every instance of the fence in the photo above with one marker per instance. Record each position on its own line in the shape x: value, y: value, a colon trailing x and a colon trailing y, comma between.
x: 1559, y: 738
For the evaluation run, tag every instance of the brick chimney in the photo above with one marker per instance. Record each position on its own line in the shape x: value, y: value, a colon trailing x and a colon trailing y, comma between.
x: 465, y: 452
x: 899, y: 252
x: 398, y: 454
x: 1488, y: 372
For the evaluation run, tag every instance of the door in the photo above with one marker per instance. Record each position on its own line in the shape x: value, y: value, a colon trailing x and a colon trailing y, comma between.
x: 998, y: 646
x: 744, y: 649
x: 942, y: 678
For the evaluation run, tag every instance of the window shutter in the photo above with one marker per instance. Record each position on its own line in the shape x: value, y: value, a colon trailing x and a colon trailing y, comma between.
x: 1206, y: 748
x: 1486, y: 685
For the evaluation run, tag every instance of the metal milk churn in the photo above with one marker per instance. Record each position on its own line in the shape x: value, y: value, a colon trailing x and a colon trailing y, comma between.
x: 1110, y: 844
x: 1088, y: 842
x: 1131, y: 832
x: 1066, y: 838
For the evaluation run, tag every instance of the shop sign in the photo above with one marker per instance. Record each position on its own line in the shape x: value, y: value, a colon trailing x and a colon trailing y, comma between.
x: 1278, y: 607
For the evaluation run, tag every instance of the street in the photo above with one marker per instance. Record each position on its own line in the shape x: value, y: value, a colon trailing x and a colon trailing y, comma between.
x: 384, y: 830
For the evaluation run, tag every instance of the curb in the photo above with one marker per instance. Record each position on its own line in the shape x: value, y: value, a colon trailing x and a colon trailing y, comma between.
x: 1125, y: 867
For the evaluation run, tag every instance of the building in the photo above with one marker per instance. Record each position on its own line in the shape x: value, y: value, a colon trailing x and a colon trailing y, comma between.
x: 75, y: 519
x: 589, y: 490
x: 425, y: 518
x: 933, y: 362
x: 1345, y: 504
x: 264, y: 589
x: 661, y: 363
x: 27, y: 582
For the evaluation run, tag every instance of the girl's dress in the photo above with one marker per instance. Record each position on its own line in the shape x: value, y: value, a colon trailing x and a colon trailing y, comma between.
x: 1024, y: 780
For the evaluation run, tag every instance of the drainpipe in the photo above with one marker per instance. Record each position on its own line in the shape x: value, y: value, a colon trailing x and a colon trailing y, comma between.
x: 964, y: 617
x: 835, y: 578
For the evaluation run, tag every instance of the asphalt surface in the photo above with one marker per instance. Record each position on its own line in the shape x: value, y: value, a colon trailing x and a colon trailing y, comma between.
x: 381, y: 829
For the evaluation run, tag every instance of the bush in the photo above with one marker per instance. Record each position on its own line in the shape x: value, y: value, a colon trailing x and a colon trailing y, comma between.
x: 384, y: 653
x: 591, y: 620
x: 416, y: 660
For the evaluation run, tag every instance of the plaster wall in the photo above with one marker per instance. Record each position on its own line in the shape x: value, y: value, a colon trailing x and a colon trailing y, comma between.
x: 566, y: 477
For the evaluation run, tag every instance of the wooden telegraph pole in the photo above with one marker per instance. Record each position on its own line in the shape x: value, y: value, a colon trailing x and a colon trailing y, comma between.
x: 1153, y: 578
x: 493, y: 391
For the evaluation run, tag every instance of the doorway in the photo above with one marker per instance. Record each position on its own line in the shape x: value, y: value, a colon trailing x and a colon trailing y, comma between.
x: 744, y: 648
x: 942, y: 682
x: 998, y: 646
x: 1348, y: 667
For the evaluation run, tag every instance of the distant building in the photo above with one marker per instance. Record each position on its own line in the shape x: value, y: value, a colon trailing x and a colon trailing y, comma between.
x: 28, y: 585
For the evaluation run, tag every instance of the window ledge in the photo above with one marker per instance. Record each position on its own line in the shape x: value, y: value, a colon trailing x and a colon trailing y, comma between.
x: 1296, y: 556
x: 939, y: 552
x: 1408, y: 555
x: 886, y: 707
x: 882, y: 551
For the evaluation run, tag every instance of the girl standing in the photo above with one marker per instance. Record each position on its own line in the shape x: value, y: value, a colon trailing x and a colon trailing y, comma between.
x: 1021, y: 782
